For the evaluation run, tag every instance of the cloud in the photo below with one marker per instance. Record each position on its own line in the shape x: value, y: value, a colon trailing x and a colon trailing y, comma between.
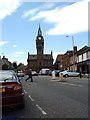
x: 30, y: 13
x: 48, y: 5
x: 67, y: 20
x: 2, y: 43
x: 51, y: 0
x: 45, y: 15
x: 14, y: 46
x: 71, y: 19
x: 34, y: 11
x: 19, y: 57
x: 24, y: 61
x: 19, y: 53
x: 7, y: 7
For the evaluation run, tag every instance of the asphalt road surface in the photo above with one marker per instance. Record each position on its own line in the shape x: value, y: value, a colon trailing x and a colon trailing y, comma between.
x: 48, y: 98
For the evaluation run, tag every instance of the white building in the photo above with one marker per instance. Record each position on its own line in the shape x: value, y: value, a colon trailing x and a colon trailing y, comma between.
x: 83, y: 59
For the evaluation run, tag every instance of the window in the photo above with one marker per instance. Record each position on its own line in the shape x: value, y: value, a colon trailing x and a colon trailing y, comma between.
x: 82, y: 57
x: 40, y: 63
x: 86, y: 55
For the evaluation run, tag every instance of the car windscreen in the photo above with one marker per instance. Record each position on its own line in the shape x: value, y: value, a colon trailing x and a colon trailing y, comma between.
x: 5, y: 76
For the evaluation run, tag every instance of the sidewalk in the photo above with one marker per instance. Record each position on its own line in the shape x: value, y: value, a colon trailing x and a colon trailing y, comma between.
x: 65, y: 78
x: 68, y: 78
x: 86, y: 76
x: 83, y: 78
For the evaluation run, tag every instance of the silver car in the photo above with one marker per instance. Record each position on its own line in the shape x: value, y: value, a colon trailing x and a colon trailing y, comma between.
x: 68, y: 73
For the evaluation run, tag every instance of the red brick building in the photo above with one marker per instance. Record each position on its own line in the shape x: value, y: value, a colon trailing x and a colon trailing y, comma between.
x: 64, y: 60
x: 75, y: 60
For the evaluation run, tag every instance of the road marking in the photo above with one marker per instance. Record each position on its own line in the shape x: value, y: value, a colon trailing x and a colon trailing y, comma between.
x: 43, y: 112
x: 73, y: 84
x: 31, y: 98
x: 25, y: 92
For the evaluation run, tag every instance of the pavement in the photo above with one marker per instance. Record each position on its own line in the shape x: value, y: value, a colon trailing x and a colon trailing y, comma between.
x: 65, y: 78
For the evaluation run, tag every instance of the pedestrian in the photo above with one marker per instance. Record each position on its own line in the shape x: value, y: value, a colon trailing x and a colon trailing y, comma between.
x: 80, y: 74
x: 29, y: 75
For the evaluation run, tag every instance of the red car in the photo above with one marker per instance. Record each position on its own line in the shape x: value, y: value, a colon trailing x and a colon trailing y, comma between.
x: 11, y: 89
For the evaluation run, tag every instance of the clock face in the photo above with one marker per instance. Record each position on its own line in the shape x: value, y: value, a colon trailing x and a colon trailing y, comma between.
x: 39, y: 38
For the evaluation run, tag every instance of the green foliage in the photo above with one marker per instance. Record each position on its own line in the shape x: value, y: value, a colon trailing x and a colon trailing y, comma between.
x: 5, y: 67
x: 15, y: 65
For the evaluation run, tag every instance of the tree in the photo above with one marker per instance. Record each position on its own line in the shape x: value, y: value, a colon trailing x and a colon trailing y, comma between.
x: 5, y: 67
x: 15, y: 66
x: 20, y: 64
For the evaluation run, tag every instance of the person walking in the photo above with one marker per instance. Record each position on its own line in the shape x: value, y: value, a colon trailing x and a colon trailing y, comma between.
x: 80, y: 74
x: 29, y: 76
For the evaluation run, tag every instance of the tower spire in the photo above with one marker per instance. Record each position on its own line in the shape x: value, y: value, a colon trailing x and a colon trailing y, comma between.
x: 39, y: 31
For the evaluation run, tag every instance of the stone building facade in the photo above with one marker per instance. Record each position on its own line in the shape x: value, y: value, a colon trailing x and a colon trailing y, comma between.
x: 40, y: 60
x: 5, y: 63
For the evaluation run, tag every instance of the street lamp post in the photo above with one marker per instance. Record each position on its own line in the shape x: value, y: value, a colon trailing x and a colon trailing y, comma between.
x: 72, y: 40
x: 73, y: 47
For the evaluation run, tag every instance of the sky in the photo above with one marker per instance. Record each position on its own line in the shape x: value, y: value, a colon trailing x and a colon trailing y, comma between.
x: 20, y: 19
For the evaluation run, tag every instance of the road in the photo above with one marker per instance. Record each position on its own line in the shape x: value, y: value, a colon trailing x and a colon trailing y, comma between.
x: 48, y: 98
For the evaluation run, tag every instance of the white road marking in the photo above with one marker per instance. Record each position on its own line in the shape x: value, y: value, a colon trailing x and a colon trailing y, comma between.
x: 43, y: 112
x: 31, y: 98
x: 25, y: 92
x: 73, y: 84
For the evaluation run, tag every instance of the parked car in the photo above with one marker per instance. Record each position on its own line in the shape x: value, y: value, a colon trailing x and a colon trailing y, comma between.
x: 50, y: 72
x: 20, y: 74
x: 11, y: 89
x: 34, y: 73
x: 68, y: 73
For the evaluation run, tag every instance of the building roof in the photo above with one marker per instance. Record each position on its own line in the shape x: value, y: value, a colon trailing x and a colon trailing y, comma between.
x: 83, y: 50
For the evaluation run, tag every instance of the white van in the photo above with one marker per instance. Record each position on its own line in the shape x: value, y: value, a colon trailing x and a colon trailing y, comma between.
x: 43, y: 71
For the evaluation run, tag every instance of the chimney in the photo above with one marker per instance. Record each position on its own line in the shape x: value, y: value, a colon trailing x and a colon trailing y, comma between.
x: 51, y: 53
x: 75, y: 49
x: 3, y: 56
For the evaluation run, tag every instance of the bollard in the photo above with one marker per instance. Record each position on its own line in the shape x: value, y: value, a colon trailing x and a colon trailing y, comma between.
x: 53, y: 74
x: 61, y: 77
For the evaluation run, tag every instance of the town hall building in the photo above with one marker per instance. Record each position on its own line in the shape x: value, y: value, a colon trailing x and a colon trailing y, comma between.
x: 40, y: 60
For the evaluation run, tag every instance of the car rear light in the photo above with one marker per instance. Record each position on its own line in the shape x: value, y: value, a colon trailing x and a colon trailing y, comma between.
x: 12, y: 88
x: 17, y: 88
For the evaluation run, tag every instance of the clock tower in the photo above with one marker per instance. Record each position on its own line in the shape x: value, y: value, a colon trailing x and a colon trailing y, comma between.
x: 40, y: 43
x: 40, y: 60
